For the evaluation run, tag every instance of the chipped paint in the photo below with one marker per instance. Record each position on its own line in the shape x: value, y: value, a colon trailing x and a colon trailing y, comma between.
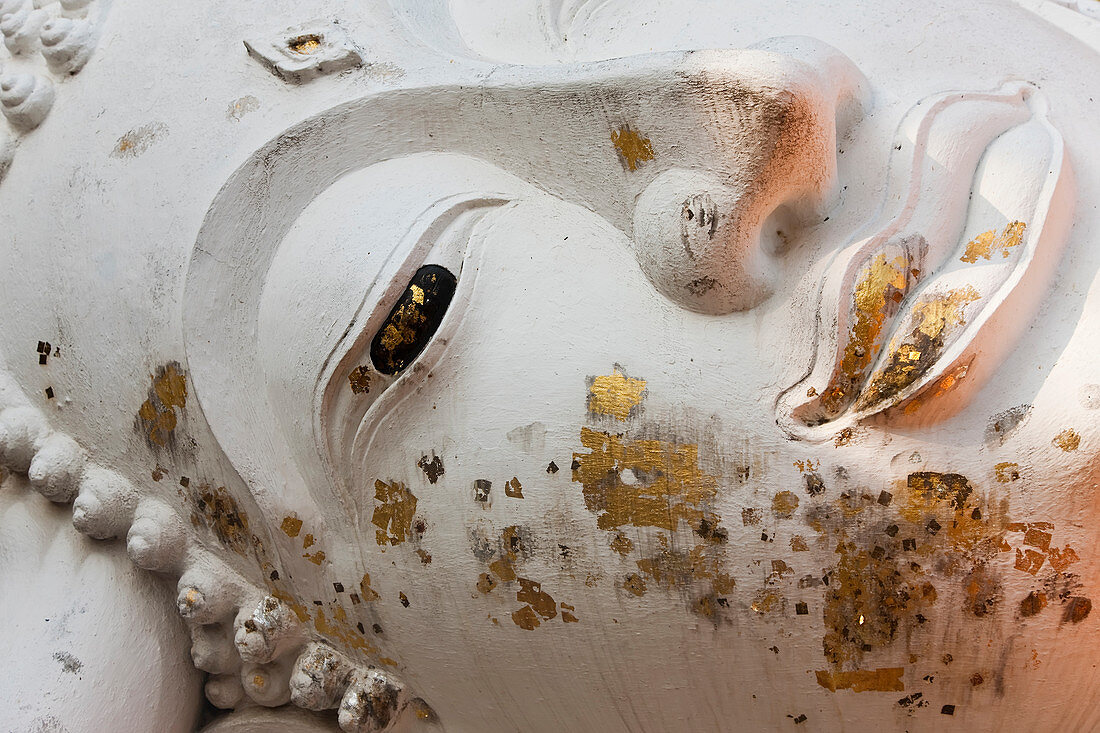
x: 238, y: 108
x: 813, y: 484
x: 137, y: 141
x: 632, y: 147
x: 432, y: 468
x: 1005, y: 423
x: 69, y: 663
x: 615, y: 394
x: 393, y: 513
x: 989, y: 243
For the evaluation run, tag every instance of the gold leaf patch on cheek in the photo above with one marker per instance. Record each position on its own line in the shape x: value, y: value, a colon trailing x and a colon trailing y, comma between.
x: 291, y: 526
x: 615, y: 395
x: 666, y: 483
x: 168, y: 394
x: 394, y: 513
x: 1068, y: 440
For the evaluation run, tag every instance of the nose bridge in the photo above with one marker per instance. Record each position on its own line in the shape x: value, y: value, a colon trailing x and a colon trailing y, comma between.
x: 761, y: 120
x: 764, y: 132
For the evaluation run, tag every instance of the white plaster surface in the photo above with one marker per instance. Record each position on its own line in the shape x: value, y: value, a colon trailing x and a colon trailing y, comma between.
x: 117, y: 248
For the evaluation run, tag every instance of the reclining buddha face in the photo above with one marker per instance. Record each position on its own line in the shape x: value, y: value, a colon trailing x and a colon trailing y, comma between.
x: 653, y: 393
x: 626, y: 381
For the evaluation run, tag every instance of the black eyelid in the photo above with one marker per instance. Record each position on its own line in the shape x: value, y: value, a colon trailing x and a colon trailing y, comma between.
x: 413, y: 320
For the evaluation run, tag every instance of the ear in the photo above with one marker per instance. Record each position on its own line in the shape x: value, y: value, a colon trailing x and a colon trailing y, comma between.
x: 932, y: 301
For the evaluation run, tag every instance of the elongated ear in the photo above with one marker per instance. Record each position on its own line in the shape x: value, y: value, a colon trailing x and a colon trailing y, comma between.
x: 932, y: 301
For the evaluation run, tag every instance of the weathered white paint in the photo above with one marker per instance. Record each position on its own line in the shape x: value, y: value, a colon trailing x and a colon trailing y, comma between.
x: 91, y: 644
x: 188, y: 214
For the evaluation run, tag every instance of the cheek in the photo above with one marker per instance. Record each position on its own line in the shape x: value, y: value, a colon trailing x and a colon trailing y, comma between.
x: 556, y: 298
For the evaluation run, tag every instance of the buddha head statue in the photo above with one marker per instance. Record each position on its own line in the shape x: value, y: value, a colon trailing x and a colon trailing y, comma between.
x: 580, y: 365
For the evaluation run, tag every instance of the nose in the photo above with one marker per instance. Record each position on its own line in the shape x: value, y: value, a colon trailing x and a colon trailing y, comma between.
x: 698, y: 227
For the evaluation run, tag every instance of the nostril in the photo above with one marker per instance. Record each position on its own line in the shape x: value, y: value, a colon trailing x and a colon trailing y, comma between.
x: 697, y: 242
x: 701, y: 210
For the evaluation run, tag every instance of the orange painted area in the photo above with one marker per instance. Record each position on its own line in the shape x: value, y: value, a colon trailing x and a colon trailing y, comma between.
x: 883, y: 679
